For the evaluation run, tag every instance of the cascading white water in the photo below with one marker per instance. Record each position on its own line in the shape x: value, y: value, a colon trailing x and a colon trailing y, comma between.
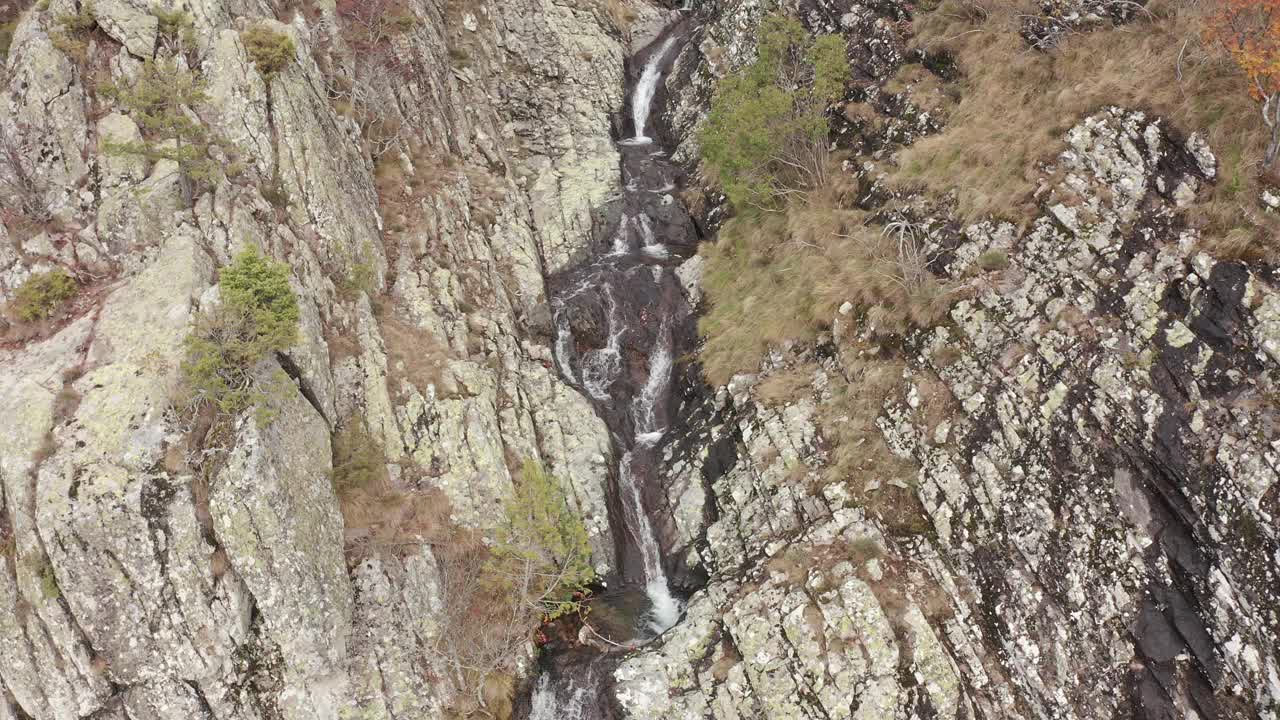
x: 644, y: 408
x: 621, y: 239
x: 546, y: 703
x: 564, y: 349
x: 649, y: 244
x: 665, y: 610
x: 646, y: 231
x: 645, y: 89
x: 601, y: 367
x: 616, y: 285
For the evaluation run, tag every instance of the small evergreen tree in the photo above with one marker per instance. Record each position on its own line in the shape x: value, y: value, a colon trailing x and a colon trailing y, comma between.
x: 71, y: 33
x: 43, y: 294
x: 765, y: 138
x: 176, y: 33
x: 258, y: 316
x: 269, y: 50
x: 162, y: 101
x: 542, y: 553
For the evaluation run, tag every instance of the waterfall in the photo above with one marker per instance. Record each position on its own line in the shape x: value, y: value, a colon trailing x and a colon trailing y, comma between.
x: 546, y: 703
x: 601, y: 367
x: 564, y: 349
x: 649, y: 244
x: 645, y: 407
x: 647, y: 238
x: 622, y: 238
x: 665, y: 610
x: 619, y: 321
x: 645, y: 90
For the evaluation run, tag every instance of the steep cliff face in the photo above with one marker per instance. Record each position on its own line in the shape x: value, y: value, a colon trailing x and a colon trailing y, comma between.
x: 1086, y: 523
x: 141, y: 580
x: 1066, y: 506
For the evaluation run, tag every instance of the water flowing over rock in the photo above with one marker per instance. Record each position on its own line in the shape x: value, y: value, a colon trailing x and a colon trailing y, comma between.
x: 504, y: 267
x: 1096, y: 530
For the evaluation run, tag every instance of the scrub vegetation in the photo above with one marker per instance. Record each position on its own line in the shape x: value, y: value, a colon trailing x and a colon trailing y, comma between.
x: 799, y: 248
x: 1172, y: 59
x: 226, y: 368
x: 801, y: 244
x: 43, y: 295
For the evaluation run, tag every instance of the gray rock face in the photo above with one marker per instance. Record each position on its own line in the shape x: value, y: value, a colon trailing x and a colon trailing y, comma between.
x: 1094, y: 498
x: 1092, y: 525
x: 1098, y: 498
x: 142, y: 580
x: 276, y: 516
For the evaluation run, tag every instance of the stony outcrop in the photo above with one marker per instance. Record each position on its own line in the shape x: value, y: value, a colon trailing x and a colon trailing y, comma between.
x: 1089, y: 528
x: 145, y: 579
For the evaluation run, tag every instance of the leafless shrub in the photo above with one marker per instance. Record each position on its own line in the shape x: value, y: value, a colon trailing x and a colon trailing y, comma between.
x: 371, y: 29
x: 484, y: 634
x: 414, y: 355
x: 22, y: 203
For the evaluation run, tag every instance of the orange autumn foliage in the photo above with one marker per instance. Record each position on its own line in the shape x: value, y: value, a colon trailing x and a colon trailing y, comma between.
x: 1250, y: 31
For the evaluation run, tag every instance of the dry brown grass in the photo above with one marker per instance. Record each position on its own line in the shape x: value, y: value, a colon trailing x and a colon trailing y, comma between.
x: 937, y: 403
x: 729, y: 658
x: 413, y: 355
x: 859, y: 452
x: 783, y: 276
x: 620, y: 14
x: 379, y: 515
x: 782, y: 387
x: 387, y: 518
x: 1016, y: 105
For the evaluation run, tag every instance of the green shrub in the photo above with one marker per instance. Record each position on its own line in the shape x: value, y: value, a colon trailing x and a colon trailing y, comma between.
x: 359, y: 463
x: 258, y: 316
x: 363, y: 277
x: 765, y: 138
x: 6, y: 38
x: 79, y: 22
x: 43, y: 569
x: 993, y: 260
x: 71, y: 34
x: 176, y: 30
x: 496, y: 597
x: 43, y: 294
x: 542, y: 551
x: 160, y: 100
x: 269, y: 50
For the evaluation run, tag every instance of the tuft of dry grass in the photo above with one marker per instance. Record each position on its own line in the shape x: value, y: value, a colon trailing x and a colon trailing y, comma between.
x: 620, y: 14
x: 784, y: 386
x: 859, y: 452
x: 413, y: 355
x: 783, y: 276
x: 380, y: 515
x: 1017, y: 103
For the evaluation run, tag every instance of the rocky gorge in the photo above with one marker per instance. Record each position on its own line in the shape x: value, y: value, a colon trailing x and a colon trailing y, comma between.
x: 1072, y: 509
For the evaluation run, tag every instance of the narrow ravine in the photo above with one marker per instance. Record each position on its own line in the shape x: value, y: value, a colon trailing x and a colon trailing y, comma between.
x: 621, y: 320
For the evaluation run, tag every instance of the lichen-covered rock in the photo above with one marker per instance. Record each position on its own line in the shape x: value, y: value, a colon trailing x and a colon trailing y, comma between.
x: 1097, y: 477
x: 275, y: 513
x: 393, y: 631
x: 129, y: 22
x: 156, y: 579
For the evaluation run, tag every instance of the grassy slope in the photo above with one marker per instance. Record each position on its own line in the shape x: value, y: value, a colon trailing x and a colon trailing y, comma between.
x: 783, y: 276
